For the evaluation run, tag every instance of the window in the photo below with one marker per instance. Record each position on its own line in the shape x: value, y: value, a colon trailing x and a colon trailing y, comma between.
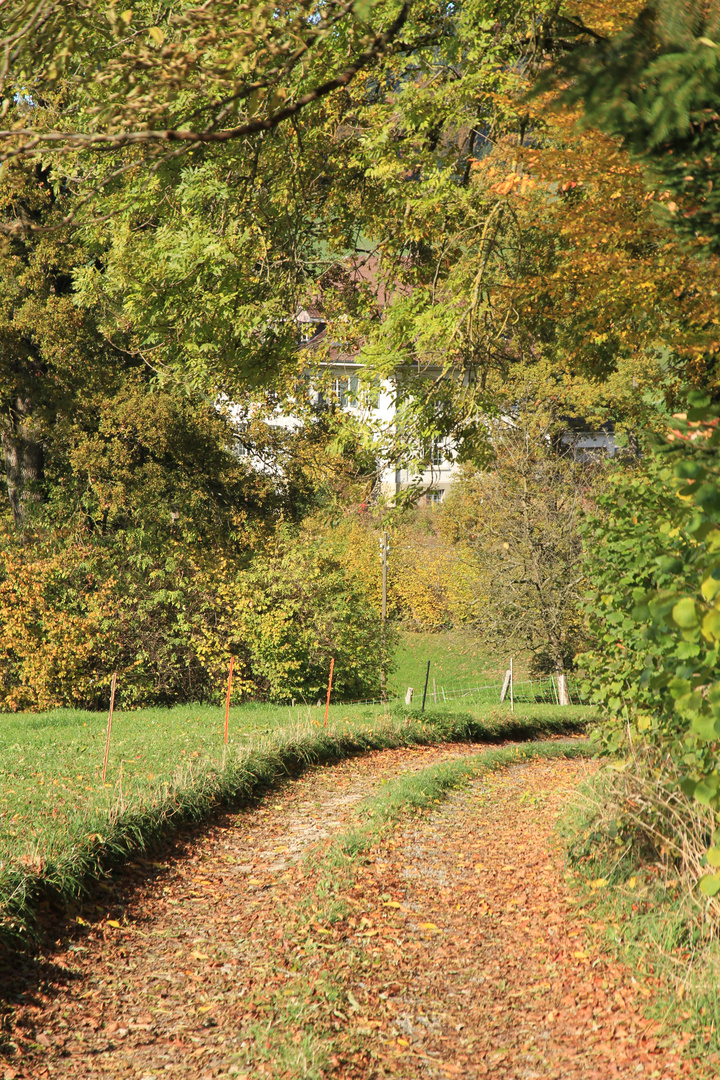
x: 436, y: 496
x: 434, y: 451
x: 340, y: 389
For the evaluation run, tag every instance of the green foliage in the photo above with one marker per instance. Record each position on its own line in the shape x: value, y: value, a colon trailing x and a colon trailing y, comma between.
x: 167, y: 620
x: 655, y: 565
x: 656, y: 85
x: 635, y: 542
x: 136, y: 512
x: 180, y: 73
x: 200, y: 264
x: 289, y: 615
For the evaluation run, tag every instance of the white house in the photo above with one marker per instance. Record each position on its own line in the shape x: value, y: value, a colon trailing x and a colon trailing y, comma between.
x: 340, y: 375
x: 344, y: 376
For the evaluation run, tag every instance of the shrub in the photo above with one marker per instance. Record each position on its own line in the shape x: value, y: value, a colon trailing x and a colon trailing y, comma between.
x: 74, y: 609
x: 655, y: 565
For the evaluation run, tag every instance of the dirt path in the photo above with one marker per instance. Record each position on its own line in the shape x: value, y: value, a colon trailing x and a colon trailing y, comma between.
x: 487, y: 968
x: 457, y: 953
x: 129, y: 994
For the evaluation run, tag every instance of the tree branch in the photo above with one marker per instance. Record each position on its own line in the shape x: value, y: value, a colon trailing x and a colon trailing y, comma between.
x: 103, y: 140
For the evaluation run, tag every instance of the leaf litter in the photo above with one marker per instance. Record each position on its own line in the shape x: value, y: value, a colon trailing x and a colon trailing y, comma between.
x: 453, y: 948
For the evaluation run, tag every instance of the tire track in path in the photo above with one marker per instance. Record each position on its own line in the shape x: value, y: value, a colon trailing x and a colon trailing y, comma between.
x: 483, y: 964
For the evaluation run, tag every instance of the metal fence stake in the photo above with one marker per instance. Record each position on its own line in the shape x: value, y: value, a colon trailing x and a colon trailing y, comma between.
x: 427, y: 676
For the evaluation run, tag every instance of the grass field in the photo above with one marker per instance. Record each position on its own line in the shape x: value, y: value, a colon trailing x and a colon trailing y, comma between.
x: 52, y: 762
x: 463, y: 673
x: 456, y: 659
x: 60, y: 825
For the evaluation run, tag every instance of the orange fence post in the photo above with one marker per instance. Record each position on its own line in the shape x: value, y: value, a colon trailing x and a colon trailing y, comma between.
x: 227, y: 701
x: 327, y: 703
x: 109, y: 727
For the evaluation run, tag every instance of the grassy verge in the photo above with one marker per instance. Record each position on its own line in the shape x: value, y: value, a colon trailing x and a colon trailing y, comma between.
x: 413, y: 792
x: 647, y: 914
x: 62, y: 828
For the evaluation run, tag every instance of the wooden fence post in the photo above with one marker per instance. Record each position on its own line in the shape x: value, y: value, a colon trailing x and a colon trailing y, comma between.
x: 563, y: 696
x: 109, y: 726
x: 327, y: 703
x: 227, y: 700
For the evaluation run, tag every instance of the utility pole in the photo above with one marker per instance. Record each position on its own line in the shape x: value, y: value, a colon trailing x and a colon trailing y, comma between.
x: 383, y: 555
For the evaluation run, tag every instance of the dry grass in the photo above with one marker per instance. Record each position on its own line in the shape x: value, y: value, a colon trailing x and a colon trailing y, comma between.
x: 637, y: 845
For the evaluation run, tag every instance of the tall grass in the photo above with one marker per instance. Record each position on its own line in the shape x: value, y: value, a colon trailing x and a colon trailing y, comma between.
x: 638, y: 846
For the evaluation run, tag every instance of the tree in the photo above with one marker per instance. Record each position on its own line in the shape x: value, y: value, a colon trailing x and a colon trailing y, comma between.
x: 201, y: 261
x: 385, y: 201
x: 51, y: 352
x: 175, y: 75
x: 516, y: 527
x: 655, y: 85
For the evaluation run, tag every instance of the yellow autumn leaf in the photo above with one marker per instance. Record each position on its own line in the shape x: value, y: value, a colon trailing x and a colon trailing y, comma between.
x: 115, y: 923
x: 157, y: 34
x: 403, y: 1042
x: 428, y: 926
x: 254, y: 881
x: 391, y: 903
x: 599, y: 883
x: 200, y: 955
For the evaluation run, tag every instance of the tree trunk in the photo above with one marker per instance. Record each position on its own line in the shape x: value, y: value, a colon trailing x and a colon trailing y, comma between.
x: 561, y: 677
x: 24, y: 460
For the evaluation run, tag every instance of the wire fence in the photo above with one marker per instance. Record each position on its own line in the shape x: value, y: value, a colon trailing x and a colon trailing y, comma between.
x: 528, y: 690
